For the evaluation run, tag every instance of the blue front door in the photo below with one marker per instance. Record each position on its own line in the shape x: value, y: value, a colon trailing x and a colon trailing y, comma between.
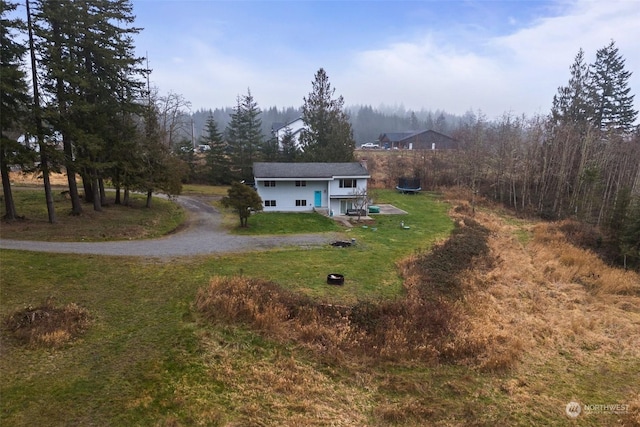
x: 318, y: 199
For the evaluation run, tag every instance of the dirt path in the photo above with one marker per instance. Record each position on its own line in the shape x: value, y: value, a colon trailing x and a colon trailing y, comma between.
x: 201, y: 235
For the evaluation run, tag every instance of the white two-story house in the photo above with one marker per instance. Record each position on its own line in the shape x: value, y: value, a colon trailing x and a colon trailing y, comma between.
x: 294, y: 127
x: 302, y: 187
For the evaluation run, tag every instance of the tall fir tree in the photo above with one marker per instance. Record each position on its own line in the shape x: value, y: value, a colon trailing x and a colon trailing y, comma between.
x: 14, y: 101
x: 244, y: 136
x: 92, y: 77
x: 217, y: 157
x: 328, y: 136
x: 289, y: 151
x: 570, y: 105
x: 609, y: 92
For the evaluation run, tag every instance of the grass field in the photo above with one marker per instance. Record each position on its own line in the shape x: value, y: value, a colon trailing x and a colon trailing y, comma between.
x: 114, y: 222
x: 558, y: 325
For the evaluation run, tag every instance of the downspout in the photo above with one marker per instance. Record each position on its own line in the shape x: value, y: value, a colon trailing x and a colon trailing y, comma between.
x: 329, y: 195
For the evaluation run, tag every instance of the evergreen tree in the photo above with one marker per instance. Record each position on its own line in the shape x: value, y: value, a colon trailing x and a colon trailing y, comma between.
x: 289, y: 151
x: 43, y: 147
x: 185, y: 152
x: 122, y: 160
x: 609, y: 94
x: 328, y: 136
x: 217, y: 157
x: 14, y: 101
x: 367, y: 125
x: 157, y: 169
x: 92, y: 77
x: 244, y: 136
x: 570, y: 105
x: 243, y: 199
x: 270, y: 150
x: 415, y: 125
x: 441, y: 123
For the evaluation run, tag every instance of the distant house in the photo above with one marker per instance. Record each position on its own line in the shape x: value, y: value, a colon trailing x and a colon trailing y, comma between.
x: 279, y: 130
x: 300, y: 187
x: 417, y: 140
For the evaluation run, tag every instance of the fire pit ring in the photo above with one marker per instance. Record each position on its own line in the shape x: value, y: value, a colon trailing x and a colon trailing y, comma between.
x: 335, y: 279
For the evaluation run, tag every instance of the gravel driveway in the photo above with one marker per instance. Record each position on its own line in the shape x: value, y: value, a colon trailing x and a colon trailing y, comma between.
x: 201, y: 235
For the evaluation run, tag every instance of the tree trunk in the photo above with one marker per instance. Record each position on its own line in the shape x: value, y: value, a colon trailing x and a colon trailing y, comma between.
x: 40, y: 134
x: 126, y: 197
x: 76, y: 206
x: 97, y: 206
x: 51, y: 213
x: 86, y: 184
x: 103, y: 194
x: 10, y: 207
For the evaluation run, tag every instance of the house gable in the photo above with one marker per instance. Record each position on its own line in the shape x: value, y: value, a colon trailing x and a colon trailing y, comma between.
x: 296, y: 126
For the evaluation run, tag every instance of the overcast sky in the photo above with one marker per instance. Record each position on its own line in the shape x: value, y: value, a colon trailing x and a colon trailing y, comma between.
x: 486, y: 56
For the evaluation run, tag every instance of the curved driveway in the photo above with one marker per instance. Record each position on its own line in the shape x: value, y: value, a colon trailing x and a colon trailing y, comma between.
x: 201, y: 235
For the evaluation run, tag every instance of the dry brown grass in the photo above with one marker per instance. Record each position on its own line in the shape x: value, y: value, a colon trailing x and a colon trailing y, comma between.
x: 272, y: 388
x: 422, y: 326
x: 534, y: 311
x: 480, y: 298
x: 18, y: 178
x: 566, y: 263
x: 47, y: 325
x: 548, y: 303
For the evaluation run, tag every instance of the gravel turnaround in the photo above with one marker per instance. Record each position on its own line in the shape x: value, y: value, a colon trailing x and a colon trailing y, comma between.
x: 201, y: 235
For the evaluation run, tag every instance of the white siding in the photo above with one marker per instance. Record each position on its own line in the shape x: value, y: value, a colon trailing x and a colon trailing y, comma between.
x: 285, y: 193
x: 334, y: 187
x: 294, y: 127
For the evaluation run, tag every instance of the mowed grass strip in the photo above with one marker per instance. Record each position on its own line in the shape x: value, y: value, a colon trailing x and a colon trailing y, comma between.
x: 264, y: 223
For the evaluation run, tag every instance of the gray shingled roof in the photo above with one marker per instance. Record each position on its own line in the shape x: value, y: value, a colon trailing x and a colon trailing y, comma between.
x: 263, y: 170
x: 276, y: 126
x: 399, y: 136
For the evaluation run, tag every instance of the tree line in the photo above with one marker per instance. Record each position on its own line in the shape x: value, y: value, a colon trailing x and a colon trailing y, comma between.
x: 366, y: 121
x: 580, y: 161
x: 90, y: 110
x: 230, y: 153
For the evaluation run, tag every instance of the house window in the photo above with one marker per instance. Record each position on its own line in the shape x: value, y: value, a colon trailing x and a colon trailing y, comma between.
x: 301, y: 183
x: 301, y: 203
x: 269, y: 203
x: 269, y: 183
x: 348, y: 183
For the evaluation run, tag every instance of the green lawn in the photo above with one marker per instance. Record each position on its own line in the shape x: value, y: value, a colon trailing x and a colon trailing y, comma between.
x: 114, y: 222
x: 263, y: 223
x: 368, y: 266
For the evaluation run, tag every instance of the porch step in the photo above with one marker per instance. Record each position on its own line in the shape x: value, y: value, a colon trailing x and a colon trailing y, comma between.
x: 322, y: 211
